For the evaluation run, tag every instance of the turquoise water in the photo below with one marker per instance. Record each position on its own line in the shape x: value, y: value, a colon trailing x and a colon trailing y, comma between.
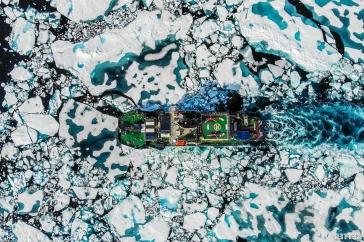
x: 266, y: 9
x: 297, y: 36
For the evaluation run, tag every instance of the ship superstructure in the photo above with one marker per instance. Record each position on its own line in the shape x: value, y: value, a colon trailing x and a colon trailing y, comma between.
x: 176, y: 128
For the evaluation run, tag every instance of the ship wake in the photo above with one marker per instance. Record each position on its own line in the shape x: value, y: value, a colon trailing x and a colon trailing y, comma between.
x: 341, y: 125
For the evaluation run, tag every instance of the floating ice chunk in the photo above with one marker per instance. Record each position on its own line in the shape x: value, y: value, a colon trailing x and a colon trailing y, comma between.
x: 250, y: 87
x: 359, y: 182
x: 266, y: 77
x: 22, y: 37
x: 190, y: 183
x: 85, y: 121
x: 19, y: 73
x: 43, y: 36
x: 278, y: 38
x: 291, y: 221
x: 82, y: 10
x: 284, y: 157
x: 276, y: 70
x: 67, y: 215
x: 79, y: 229
x: 135, y: 156
x: 225, y: 74
x: 320, y: 172
x: 169, y: 197
x: 123, y: 216
x: 295, y: 79
x: 156, y: 230
x: 11, y: 13
x: 226, y: 228
x: 84, y: 193
x: 130, y: 39
x: 293, y: 175
x: 215, y: 200
x: 47, y: 222
x: 122, y: 3
x: 171, y: 175
x: 10, y: 99
x: 233, y: 2
x: 24, y: 136
x: 6, y: 206
x: 193, y: 222
x: 32, y: 105
x: 194, y: 207
x: 212, y: 213
x: 9, y: 151
x: 30, y: 202
x: 62, y: 200
x: 206, y: 29
x: 204, y: 56
x: 43, y: 123
x: 226, y: 164
x: 26, y: 233
x: 348, y: 167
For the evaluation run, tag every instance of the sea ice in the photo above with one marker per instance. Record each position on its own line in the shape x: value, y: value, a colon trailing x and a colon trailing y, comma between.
x: 126, y: 214
x: 293, y: 175
x: 82, y: 10
x: 193, y: 222
x: 156, y: 230
x: 24, y: 136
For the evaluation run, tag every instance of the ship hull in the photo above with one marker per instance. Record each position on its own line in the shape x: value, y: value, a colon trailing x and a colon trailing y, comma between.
x: 176, y: 128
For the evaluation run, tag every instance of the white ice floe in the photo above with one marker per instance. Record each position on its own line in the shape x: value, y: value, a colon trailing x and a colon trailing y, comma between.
x: 171, y: 176
x: 124, y: 215
x: 334, y: 12
x: 130, y: 39
x: 30, y: 202
x: 281, y: 39
x: 84, y: 193
x: 276, y: 70
x: 44, y: 124
x: 212, y: 213
x: 228, y: 227
x: 193, y: 222
x: 9, y: 151
x: 20, y: 73
x: 225, y: 74
x: 22, y: 38
x: 6, y: 205
x: 88, y: 119
x: 32, y: 105
x: 169, y: 197
x: 24, y: 135
x: 82, y: 10
x: 293, y: 175
x: 320, y: 172
x: 26, y: 233
x: 295, y: 79
x: 62, y: 200
x: 156, y: 230
x: 229, y: 75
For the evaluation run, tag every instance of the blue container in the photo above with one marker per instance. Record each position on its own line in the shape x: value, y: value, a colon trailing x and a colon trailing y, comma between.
x: 243, y: 135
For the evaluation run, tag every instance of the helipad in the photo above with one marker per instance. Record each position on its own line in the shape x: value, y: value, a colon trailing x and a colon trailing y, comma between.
x: 215, y: 127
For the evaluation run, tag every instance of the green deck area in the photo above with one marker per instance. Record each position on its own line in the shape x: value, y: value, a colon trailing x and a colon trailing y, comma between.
x: 132, y: 118
x: 215, y: 127
x: 133, y: 138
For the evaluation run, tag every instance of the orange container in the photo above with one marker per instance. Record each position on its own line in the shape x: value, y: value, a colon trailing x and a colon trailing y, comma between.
x: 181, y: 143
